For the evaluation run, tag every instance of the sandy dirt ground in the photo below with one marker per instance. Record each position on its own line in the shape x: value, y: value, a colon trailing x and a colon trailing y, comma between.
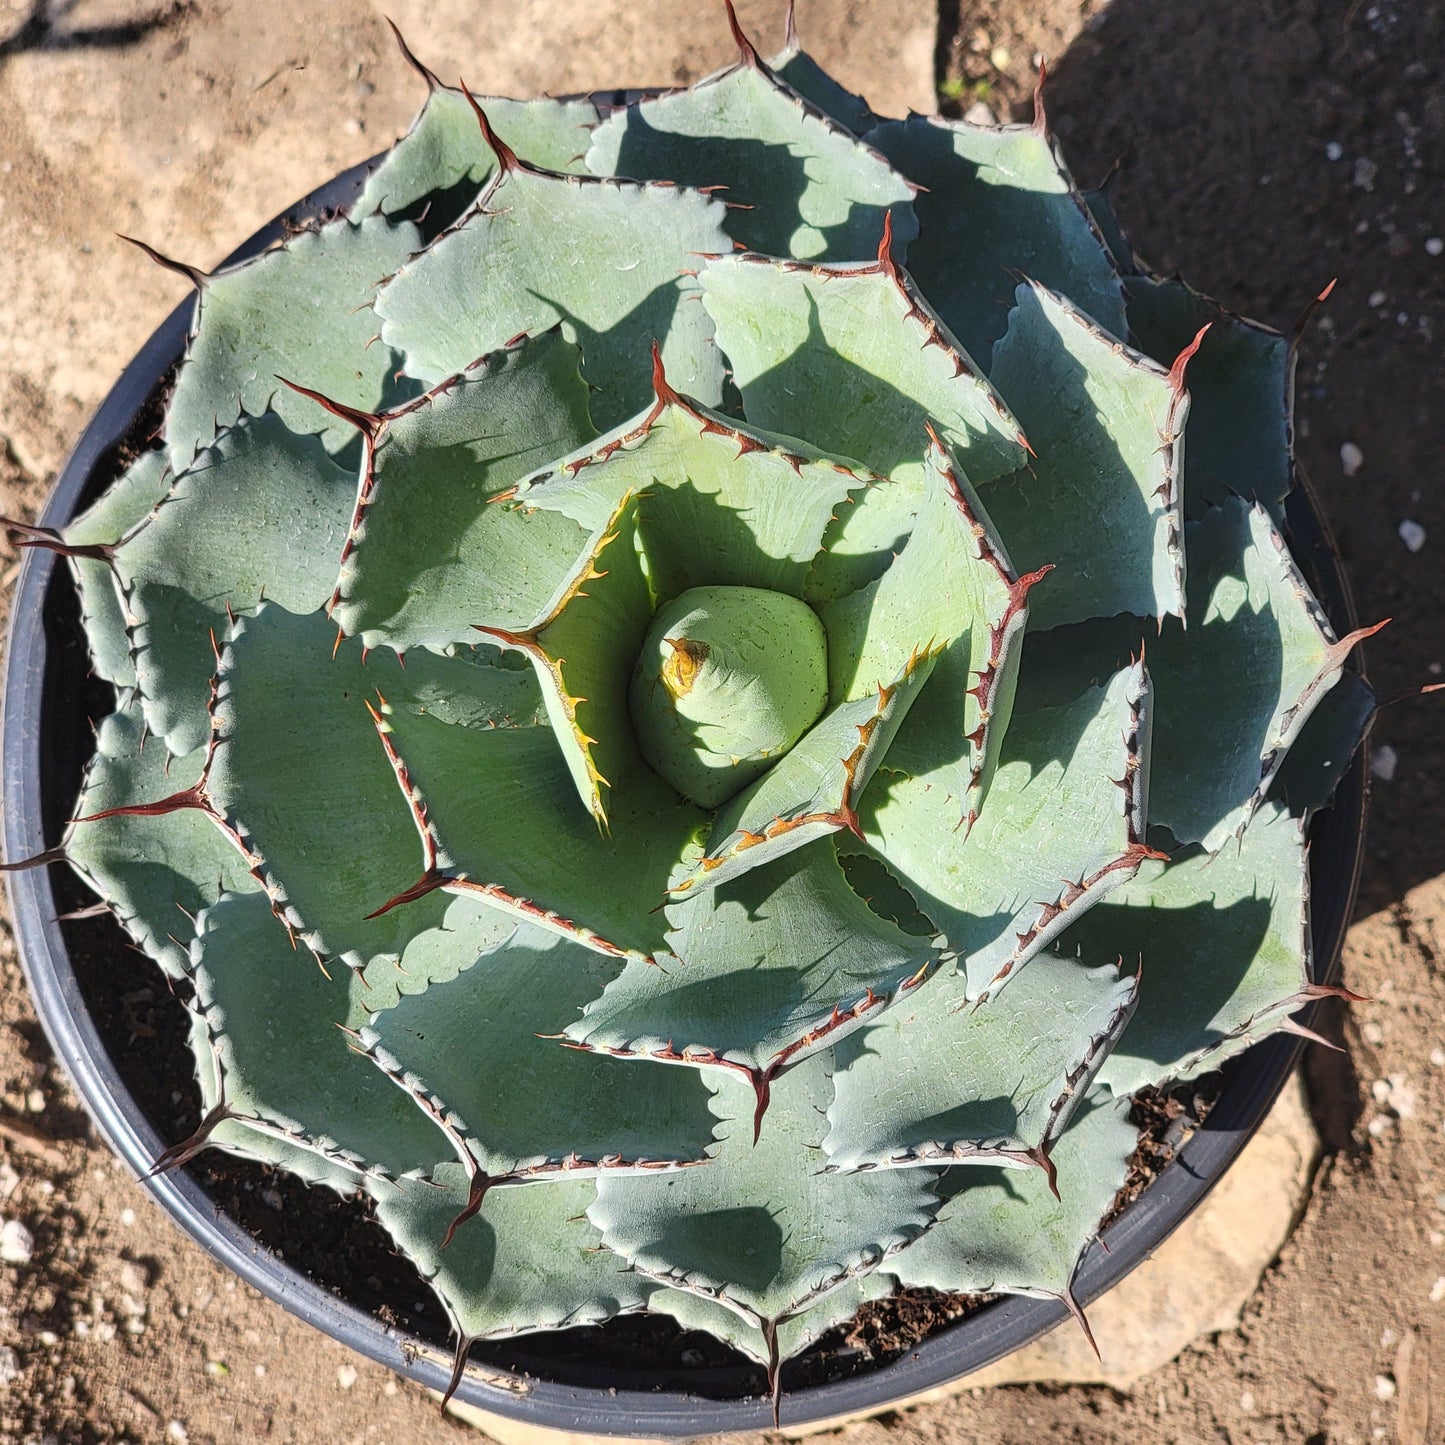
x: 1262, y: 147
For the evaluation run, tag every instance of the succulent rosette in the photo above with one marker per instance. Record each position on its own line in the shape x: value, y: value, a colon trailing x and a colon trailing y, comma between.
x: 665, y: 675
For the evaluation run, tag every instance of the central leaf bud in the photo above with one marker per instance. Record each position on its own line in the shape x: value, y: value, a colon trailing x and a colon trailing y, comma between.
x: 728, y: 679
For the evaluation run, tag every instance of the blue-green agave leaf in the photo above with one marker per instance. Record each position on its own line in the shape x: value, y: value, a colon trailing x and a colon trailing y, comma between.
x: 1100, y: 502
x: 1234, y: 691
x: 938, y: 1082
x: 300, y: 312
x: 766, y: 971
x: 605, y: 259
x: 433, y: 175
x: 104, y: 524
x: 1062, y: 826
x: 1220, y: 944
x: 1005, y: 1231
x: 260, y: 513
x: 157, y: 871
x: 278, y: 1028
x: 433, y: 547
x: 1239, y: 439
x: 797, y: 183
x: 997, y: 202
x: 764, y: 1231
x: 854, y: 360
x: 476, y: 1056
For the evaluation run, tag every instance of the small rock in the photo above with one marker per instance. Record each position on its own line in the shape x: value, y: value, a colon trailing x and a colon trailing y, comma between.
x: 1437, y: 1290
x: 1246, y: 1402
x: 390, y: 1388
x: 346, y: 1376
x: 1437, y: 1057
x: 1377, y: 299
x: 1379, y: 1126
x: 1365, y: 172
x: 35, y: 1101
x: 1373, y: 1033
x: 260, y: 1372
x: 999, y: 57
x: 127, y: 1217
x: 133, y: 1278
x: 1384, y: 1387
x: 1434, y: 246
x: 1334, y: 151
x: 979, y: 114
x: 1384, y: 762
x: 1412, y: 534
x: 9, y: 1180
x: 1351, y: 457
x: 17, y: 1244
x: 9, y: 1366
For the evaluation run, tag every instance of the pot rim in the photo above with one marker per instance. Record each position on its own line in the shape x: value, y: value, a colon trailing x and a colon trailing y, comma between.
x: 587, y: 1403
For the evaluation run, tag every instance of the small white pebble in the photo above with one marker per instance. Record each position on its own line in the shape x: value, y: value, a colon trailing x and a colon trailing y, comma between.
x: 1402, y: 318
x: 1437, y: 1290
x: 260, y: 1372
x: 979, y: 114
x: 1412, y: 534
x: 127, y: 1217
x: 35, y: 1101
x: 9, y: 1366
x: 1384, y: 1387
x: 1380, y: 1090
x: 390, y: 1388
x: 1246, y: 1402
x: 1436, y: 1238
x: 1434, y: 246
x: 1378, y: 1126
x: 1384, y: 762
x: 1402, y: 1098
x: 1437, y: 1057
x: 1334, y: 151
x: 17, y: 1244
x: 1388, y: 1338
x: 1377, y: 299
x: 177, y: 1432
x: 346, y: 1376
x: 351, y: 126
x: 1373, y: 1033
x: 999, y: 57
x: 1351, y: 458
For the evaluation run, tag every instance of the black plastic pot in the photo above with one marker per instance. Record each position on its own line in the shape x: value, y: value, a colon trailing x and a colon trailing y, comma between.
x: 45, y: 742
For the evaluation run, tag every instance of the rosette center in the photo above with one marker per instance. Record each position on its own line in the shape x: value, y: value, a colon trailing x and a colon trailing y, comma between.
x: 728, y: 679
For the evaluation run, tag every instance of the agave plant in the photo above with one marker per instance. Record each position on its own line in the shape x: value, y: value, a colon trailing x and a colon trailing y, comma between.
x: 640, y: 755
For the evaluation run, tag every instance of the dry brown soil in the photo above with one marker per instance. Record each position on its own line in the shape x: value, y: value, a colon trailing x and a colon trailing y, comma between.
x: 1263, y: 146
